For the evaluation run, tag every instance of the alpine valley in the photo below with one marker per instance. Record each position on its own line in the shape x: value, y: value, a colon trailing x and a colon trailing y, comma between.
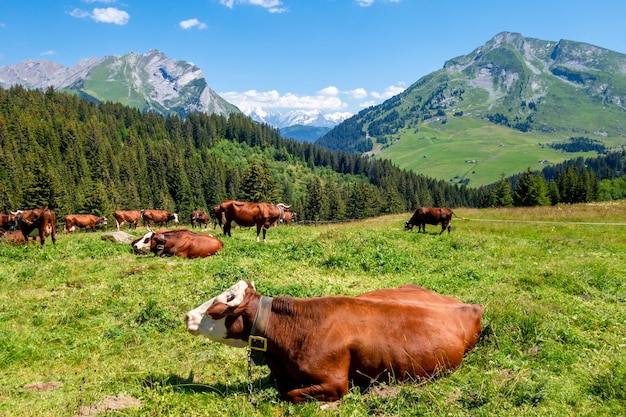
x: 511, y: 104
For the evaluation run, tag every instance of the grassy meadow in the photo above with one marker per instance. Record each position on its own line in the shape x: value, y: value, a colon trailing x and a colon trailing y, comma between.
x: 88, y: 328
x: 442, y: 150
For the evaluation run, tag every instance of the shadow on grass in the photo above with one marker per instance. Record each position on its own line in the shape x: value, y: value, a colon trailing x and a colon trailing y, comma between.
x: 187, y: 384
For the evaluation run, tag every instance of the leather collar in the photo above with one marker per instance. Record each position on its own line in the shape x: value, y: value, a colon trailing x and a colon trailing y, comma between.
x: 257, y: 342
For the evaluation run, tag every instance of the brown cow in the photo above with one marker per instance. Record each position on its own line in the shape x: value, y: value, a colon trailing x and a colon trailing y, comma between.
x: 289, y: 217
x: 131, y: 217
x: 84, y: 221
x: 13, y: 236
x: 315, y: 346
x: 158, y: 217
x: 8, y: 221
x: 43, y: 219
x: 199, y: 216
x: 433, y: 215
x: 183, y: 243
x: 261, y: 215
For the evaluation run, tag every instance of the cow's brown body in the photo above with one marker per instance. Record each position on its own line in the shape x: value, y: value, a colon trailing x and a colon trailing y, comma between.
x: 247, y: 214
x: 316, y: 346
x: 430, y: 215
x: 83, y: 221
x: 8, y: 221
x: 158, y: 217
x: 131, y: 217
x: 183, y: 243
x: 13, y: 236
x: 199, y: 217
x: 42, y: 219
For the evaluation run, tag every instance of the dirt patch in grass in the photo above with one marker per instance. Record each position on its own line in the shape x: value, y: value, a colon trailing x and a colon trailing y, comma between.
x: 117, y: 402
x: 43, y: 386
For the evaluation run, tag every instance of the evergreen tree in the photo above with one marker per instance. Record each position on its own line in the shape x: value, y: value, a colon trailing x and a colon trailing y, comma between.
x: 315, y: 200
x: 258, y: 183
x: 502, y: 194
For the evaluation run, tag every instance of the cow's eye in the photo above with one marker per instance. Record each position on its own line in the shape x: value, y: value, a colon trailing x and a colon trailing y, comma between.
x: 146, y: 240
x: 230, y: 298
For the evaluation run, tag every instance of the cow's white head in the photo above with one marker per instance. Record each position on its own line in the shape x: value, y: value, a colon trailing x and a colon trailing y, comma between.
x: 143, y: 244
x: 199, y: 323
x: 175, y: 217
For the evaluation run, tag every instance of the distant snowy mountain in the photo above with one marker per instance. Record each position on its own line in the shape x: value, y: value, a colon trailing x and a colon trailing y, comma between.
x: 150, y: 82
x: 314, y: 118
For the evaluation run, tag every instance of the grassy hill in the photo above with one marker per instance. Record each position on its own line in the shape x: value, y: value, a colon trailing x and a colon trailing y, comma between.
x: 87, y: 324
x: 473, y: 151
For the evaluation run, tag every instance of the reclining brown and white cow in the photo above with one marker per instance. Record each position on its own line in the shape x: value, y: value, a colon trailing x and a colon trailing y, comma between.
x: 315, y: 346
x: 183, y: 243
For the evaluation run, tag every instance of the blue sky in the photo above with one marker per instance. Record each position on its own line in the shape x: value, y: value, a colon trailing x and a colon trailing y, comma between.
x: 331, y: 55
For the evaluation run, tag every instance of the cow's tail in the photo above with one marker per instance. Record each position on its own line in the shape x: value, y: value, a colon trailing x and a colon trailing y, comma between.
x: 458, y: 217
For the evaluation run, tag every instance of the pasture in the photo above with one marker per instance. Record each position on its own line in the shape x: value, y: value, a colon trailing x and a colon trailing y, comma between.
x: 88, y: 328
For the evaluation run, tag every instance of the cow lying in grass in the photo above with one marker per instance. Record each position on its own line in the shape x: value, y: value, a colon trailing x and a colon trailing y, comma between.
x: 183, y: 243
x: 315, y: 346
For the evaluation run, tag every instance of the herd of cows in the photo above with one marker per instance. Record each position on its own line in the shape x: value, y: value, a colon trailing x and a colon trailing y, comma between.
x: 314, y: 347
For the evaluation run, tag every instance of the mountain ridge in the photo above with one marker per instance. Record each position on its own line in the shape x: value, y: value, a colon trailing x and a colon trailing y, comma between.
x: 149, y: 82
x: 500, y: 105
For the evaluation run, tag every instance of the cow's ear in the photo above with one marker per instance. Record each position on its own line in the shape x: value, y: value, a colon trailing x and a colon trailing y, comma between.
x: 217, y: 311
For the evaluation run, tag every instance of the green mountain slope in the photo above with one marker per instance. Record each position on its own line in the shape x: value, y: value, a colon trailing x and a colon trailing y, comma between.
x: 496, y: 111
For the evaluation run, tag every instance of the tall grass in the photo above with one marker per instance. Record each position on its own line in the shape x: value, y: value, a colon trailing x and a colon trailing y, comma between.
x: 86, y: 323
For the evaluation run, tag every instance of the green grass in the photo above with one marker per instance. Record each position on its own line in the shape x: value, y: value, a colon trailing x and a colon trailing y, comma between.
x: 442, y: 150
x: 98, y: 322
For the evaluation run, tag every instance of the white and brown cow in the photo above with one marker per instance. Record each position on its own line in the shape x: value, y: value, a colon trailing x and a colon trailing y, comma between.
x: 83, y: 221
x: 131, y: 217
x: 183, y: 243
x: 315, y: 346
x: 158, y: 217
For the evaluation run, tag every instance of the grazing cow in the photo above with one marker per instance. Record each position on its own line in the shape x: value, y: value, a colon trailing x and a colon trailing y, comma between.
x: 434, y: 215
x: 261, y: 215
x: 8, y: 221
x: 13, y: 236
x: 158, y: 217
x: 199, y: 216
x: 84, y: 221
x: 43, y: 219
x: 131, y: 217
x: 183, y: 243
x: 218, y: 214
x: 315, y: 346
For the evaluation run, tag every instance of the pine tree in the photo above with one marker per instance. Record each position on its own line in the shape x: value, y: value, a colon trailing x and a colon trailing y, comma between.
x: 502, y: 194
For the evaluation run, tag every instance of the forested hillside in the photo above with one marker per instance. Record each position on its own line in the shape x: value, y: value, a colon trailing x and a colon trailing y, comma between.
x: 76, y: 156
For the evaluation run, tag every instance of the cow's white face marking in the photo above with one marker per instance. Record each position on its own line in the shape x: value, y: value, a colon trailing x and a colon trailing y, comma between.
x: 233, y: 296
x: 143, y: 244
x: 199, y: 323
x: 175, y: 217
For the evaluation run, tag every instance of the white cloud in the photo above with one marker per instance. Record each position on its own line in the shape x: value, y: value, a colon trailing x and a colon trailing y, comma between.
x: 106, y: 15
x: 357, y: 93
x: 48, y: 53
x: 390, y: 91
x: 326, y: 100
x: 272, y: 6
x: 191, y: 23
x: 368, y: 3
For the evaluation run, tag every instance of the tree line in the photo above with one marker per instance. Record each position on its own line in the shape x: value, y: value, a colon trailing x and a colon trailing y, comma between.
x: 76, y: 156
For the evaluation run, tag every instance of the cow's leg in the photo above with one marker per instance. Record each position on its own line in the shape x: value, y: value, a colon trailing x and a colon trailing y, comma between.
x: 258, y: 232
x: 226, y: 228
x: 117, y: 224
x: 327, y: 391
